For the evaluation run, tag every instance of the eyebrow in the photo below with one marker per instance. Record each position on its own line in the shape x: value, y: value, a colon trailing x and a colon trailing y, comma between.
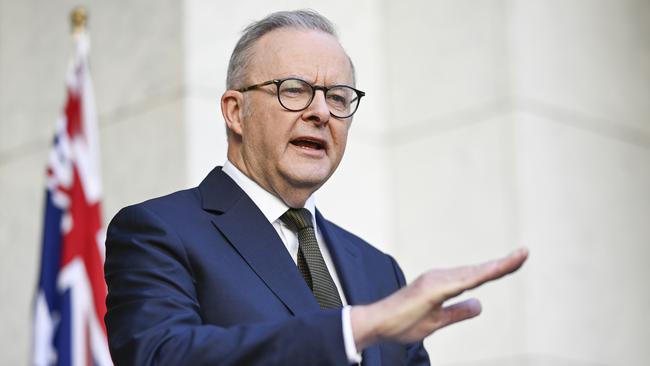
x: 299, y: 77
x: 313, y: 82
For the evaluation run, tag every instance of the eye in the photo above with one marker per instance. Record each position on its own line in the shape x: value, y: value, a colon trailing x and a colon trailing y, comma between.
x: 338, y: 97
x: 292, y: 88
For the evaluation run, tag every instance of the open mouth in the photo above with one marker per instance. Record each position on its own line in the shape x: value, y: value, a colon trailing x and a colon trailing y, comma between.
x: 308, y: 143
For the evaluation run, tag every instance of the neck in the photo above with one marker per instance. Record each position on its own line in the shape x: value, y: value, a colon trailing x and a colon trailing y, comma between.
x: 291, y: 195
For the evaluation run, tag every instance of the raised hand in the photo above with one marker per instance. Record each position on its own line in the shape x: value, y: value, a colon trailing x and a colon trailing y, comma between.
x: 417, y: 310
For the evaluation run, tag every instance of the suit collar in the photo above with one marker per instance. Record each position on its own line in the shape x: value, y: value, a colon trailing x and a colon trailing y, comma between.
x: 219, y: 192
x: 271, y: 205
x: 236, y: 214
x: 255, y: 239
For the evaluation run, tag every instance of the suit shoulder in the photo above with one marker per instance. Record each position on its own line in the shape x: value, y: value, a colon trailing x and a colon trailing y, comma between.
x: 186, y: 197
x: 175, y: 204
x: 365, y: 247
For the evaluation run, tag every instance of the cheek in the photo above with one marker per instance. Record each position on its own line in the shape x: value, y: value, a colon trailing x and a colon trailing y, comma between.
x: 272, y: 140
x: 340, y: 138
x: 263, y: 135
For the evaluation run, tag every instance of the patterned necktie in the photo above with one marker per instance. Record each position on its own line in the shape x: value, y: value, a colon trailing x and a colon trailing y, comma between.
x: 310, y: 261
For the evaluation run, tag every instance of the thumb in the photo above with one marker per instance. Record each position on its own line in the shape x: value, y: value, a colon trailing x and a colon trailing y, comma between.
x: 460, y: 311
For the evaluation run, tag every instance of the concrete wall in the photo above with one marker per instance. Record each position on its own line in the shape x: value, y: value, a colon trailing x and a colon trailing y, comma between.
x: 526, y: 123
x: 452, y: 157
x: 487, y: 125
x: 137, y: 66
x: 581, y: 90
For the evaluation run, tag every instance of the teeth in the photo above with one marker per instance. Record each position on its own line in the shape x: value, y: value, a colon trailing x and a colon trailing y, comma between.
x: 308, y: 144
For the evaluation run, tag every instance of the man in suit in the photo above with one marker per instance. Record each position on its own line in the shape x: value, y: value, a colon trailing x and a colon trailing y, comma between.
x: 243, y: 270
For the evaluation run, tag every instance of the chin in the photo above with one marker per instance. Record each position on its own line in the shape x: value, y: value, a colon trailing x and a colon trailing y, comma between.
x: 308, y: 178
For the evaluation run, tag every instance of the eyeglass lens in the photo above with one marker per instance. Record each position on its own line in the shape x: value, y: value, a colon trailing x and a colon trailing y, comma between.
x: 296, y: 95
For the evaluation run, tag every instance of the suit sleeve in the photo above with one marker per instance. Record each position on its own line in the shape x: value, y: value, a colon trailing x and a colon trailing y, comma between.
x: 416, y: 355
x: 153, y: 310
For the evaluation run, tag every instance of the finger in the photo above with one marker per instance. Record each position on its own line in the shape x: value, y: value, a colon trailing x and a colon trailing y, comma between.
x: 460, y: 311
x: 470, y: 277
x: 495, y: 269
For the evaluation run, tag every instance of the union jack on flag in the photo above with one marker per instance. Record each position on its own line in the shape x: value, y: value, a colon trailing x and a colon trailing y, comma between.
x: 69, y: 303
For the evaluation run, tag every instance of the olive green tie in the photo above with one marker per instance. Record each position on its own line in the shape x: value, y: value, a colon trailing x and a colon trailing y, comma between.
x: 310, y: 260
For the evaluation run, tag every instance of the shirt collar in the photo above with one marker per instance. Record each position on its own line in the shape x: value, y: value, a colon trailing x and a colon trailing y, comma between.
x: 271, y: 206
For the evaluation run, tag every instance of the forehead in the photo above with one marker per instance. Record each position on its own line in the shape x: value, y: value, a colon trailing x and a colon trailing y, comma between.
x: 312, y: 55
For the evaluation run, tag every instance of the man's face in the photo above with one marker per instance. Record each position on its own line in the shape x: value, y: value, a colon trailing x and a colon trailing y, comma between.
x: 283, y: 150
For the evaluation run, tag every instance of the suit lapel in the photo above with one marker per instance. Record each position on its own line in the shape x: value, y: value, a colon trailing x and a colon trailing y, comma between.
x: 235, y: 215
x: 255, y: 239
x: 349, y: 266
x: 348, y: 262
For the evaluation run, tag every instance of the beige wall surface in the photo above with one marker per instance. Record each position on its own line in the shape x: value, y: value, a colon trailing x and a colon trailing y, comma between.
x: 487, y: 125
x: 137, y: 68
x: 581, y: 91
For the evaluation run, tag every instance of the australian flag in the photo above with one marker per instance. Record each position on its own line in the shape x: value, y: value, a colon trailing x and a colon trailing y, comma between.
x: 69, y: 305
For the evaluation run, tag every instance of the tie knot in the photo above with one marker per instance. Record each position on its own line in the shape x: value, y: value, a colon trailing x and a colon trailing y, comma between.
x: 297, y: 218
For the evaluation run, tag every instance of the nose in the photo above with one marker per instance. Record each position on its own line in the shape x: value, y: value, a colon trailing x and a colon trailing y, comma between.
x: 318, y: 112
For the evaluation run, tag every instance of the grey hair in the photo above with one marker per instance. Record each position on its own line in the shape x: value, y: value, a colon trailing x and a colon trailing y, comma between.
x: 243, y: 53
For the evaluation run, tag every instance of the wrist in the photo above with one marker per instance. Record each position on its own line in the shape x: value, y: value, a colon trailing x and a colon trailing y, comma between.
x: 364, y: 326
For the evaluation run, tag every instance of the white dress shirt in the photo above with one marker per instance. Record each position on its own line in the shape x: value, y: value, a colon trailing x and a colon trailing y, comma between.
x: 273, y: 207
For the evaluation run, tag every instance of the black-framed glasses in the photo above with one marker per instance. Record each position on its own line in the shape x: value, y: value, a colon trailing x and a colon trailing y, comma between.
x: 296, y: 95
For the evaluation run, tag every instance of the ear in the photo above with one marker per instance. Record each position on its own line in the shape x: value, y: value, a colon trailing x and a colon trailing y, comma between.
x: 232, y: 103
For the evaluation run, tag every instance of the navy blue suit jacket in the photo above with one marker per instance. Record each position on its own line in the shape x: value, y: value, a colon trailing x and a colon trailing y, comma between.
x: 200, y: 277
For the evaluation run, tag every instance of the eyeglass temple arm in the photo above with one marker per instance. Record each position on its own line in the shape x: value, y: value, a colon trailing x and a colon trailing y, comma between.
x: 241, y: 90
x: 359, y: 95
